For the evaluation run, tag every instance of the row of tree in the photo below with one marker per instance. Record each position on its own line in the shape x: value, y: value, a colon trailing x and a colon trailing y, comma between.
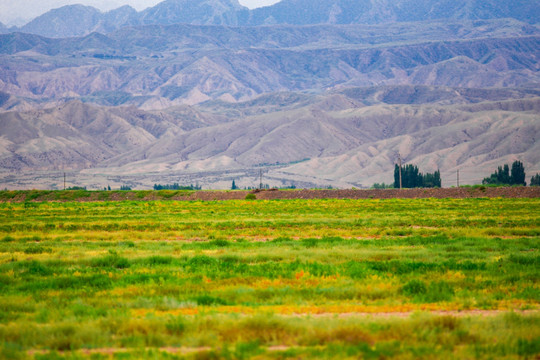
x: 122, y: 188
x: 411, y: 177
x: 176, y: 186
x: 261, y: 186
x: 505, y: 176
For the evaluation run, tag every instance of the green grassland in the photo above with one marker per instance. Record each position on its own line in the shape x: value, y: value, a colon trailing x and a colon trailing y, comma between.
x: 397, y: 278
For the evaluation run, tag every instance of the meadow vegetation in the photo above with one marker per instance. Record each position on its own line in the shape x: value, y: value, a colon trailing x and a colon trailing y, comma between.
x: 425, y: 278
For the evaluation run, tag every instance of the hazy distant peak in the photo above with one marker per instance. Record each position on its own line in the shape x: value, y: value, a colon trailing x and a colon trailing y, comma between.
x: 74, y: 8
x: 303, y: 12
x: 79, y: 20
x: 67, y: 21
x: 185, y: 5
x: 123, y: 9
x: 210, y: 12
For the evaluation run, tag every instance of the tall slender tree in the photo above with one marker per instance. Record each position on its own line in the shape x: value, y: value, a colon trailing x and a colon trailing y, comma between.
x: 517, y: 176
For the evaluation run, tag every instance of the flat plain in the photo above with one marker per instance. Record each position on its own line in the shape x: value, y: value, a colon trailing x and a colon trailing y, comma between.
x: 294, y: 278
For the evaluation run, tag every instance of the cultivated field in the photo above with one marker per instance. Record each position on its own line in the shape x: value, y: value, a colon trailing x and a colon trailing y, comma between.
x: 294, y: 278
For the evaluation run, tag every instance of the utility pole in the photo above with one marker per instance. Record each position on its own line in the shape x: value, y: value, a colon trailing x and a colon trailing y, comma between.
x: 400, y: 182
x: 458, y: 178
x: 64, y: 181
x: 260, y: 178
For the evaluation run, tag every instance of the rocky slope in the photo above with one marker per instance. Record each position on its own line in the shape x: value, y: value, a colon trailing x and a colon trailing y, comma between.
x: 341, y: 138
x: 77, y: 136
x: 161, y: 66
x: 302, y: 12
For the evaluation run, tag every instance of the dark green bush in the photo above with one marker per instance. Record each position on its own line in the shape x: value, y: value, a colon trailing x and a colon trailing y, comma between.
x: 37, y: 268
x: 524, y: 259
x: 414, y: 287
x: 37, y: 249
x: 439, y: 291
x: 220, y: 243
x: 527, y: 348
x: 111, y: 261
x: 310, y: 243
x: 176, y: 325
x: 207, y: 300
x: 158, y: 260
x: 8, y: 238
x: 201, y: 261
x: 356, y: 270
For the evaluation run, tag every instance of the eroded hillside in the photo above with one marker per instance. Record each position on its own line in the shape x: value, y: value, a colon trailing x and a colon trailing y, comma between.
x: 341, y: 138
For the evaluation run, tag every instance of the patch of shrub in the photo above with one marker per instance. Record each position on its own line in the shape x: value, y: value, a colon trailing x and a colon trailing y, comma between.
x: 167, y: 194
x: 175, y: 325
x: 34, y: 194
x: 129, y: 244
x: 414, y: 288
x: 230, y: 259
x: 111, y: 261
x: 12, y: 351
x: 220, y: 243
x: 439, y: 291
x: 158, y: 260
x: 36, y: 268
x: 34, y: 238
x: 37, y: 249
x: 445, y: 322
x: 283, y: 240
x: 527, y: 347
x: 207, y: 300
x: 356, y: 270
x: 141, y: 194
x: 525, y: 260
x: 201, y: 261
x: 248, y: 350
x: 310, y: 243
x: 8, y: 195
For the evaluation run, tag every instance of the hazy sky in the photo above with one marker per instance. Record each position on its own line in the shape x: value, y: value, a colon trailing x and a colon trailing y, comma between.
x: 18, y: 12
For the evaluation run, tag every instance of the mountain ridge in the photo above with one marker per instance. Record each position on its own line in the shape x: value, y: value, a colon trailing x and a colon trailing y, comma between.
x: 161, y: 66
x: 78, y: 20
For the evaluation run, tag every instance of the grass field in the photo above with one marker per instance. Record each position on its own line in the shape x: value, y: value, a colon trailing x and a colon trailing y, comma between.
x: 426, y: 278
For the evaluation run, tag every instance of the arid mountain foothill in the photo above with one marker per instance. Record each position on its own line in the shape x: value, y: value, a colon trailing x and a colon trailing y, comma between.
x: 308, y: 93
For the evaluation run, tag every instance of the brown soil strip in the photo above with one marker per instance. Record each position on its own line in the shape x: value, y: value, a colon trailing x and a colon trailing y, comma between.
x: 455, y: 193
x: 274, y: 194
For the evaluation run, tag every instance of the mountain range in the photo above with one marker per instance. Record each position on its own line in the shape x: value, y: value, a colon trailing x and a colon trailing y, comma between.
x: 312, y: 93
x: 79, y: 20
x: 343, y: 138
x: 157, y: 66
